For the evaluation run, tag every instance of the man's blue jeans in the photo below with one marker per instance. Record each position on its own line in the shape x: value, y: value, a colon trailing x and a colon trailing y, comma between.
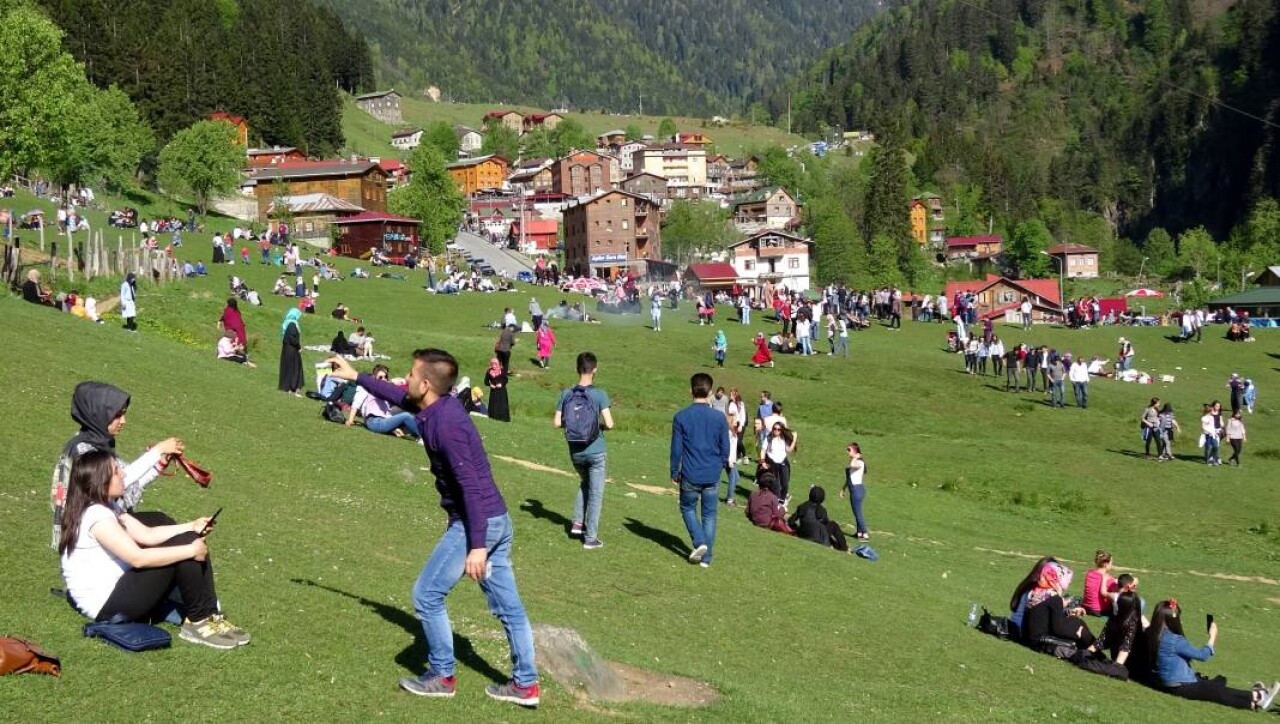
x: 701, y: 531
x: 1057, y: 393
x: 442, y: 572
x: 586, y: 508
x: 806, y: 345
x: 388, y: 425
x: 732, y: 492
x: 1081, y: 390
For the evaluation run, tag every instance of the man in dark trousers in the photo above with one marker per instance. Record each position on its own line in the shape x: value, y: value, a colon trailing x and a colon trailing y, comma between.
x: 477, y: 540
x: 699, y: 449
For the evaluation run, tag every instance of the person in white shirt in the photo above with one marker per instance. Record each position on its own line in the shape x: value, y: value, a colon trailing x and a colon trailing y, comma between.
x: 1209, y: 439
x: 1026, y: 313
x: 117, y: 568
x: 1079, y: 376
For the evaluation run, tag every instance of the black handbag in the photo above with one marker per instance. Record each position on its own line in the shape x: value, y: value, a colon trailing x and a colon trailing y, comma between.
x: 997, y: 626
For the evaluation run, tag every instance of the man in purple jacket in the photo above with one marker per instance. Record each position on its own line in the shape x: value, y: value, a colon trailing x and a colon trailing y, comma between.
x: 477, y: 541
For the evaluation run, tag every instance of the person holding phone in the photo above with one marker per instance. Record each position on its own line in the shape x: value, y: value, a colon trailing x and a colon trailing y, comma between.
x: 478, y: 534
x: 115, y: 567
x: 1173, y: 654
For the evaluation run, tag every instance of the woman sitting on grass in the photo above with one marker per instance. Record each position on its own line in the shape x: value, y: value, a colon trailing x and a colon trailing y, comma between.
x: 377, y: 413
x: 1099, y: 586
x: 1172, y: 655
x: 810, y: 521
x: 764, y: 509
x: 1123, y: 638
x: 117, y: 568
x: 1047, y: 617
x: 232, y: 350
x: 1018, y: 602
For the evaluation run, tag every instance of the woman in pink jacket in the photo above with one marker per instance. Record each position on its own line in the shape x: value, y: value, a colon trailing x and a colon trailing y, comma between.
x: 546, y: 340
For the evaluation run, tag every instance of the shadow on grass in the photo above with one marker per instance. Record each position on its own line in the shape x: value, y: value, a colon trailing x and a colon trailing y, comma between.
x: 414, y: 656
x: 1186, y: 457
x: 538, y: 510
x: 664, y: 539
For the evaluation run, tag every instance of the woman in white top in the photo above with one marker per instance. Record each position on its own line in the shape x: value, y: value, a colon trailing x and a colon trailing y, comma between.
x: 118, y: 569
x: 775, y: 455
x: 857, y: 491
x: 1209, y: 437
x: 732, y: 413
x: 377, y: 414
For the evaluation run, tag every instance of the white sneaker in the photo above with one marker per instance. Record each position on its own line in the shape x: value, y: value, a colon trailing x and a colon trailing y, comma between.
x: 697, y: 554
x: 1269, y: 698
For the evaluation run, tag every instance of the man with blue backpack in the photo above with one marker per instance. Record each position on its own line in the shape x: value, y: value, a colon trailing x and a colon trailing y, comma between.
x: 583, y: 413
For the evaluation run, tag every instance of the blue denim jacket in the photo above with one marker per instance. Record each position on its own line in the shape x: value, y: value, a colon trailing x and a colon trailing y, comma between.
x: 1174, y: 656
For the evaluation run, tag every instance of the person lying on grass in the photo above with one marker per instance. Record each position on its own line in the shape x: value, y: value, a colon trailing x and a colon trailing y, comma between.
x: 100, y: 411
x: 1172, y: 656
x: 115, y: 567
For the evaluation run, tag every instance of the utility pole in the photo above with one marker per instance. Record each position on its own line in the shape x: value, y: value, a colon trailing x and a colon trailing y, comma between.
x: 788, y: 113
x: 642, y: 104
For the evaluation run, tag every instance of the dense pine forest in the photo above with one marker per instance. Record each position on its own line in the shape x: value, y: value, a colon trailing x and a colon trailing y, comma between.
x: 280, y: 63
x: 682, y: 56
x: 1157, y: 114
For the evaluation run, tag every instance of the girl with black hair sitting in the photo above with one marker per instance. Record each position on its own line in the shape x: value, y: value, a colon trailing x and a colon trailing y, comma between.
x: 1173, y: 654
x: 1122, y: 638
x: 117, y: 568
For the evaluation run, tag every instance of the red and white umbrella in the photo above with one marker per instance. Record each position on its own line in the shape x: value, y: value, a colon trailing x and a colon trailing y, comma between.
x: 585, y: 284
x: 1145, y: 293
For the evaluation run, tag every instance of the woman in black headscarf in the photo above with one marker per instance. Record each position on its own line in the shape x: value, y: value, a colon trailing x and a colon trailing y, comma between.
x: 810, y: 522
x: 100, y: 410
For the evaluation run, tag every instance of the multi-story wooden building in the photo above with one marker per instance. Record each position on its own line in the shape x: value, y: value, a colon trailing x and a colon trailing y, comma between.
x: 612, y: 233
x: 1078, y: 261
x: 647, y: 184
x: 533, y: 175
x: 274, y: 156
x: 360, y: 234
x: 407, y: 139
x: 311, y: 215
x: 479, y: 173
x: 469, y: 140
x: 359, y: 181
x: 582, y: 173
x: 770, y: 208
x: 383, y: 105
x: 546, y: 121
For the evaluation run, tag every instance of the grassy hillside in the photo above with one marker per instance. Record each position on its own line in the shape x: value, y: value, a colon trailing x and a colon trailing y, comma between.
x: 325, y: 528
x: 366, y: 135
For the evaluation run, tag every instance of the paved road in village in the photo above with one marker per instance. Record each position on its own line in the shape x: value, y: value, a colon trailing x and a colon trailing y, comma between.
x: 500, y: 259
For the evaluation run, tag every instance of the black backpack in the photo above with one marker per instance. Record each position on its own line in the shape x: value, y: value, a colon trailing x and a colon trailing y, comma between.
x: 997, y: 626
x: 580, y: 416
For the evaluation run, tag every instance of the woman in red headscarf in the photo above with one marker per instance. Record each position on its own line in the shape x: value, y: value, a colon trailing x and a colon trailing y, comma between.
x: 496, y: 380
x: 232, y: 321
x: 1047, y: 617
x: 762, y: 356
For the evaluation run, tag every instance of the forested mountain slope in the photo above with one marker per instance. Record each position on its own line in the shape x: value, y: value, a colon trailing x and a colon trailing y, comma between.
x: 683, y: 56
x: 1122, y: 108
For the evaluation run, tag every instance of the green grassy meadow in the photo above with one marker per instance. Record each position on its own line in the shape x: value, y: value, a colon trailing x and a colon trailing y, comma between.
x: 369, y: 136
x: 324, y: 529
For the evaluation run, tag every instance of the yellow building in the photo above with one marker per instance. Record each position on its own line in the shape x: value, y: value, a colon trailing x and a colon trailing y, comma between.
x: 919, y: 222
x: 479, y: 173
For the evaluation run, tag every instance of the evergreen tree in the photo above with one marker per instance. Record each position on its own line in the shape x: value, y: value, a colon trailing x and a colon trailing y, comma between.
x: 431, y: 196
x: 882, y: 262
x: 840, y: 254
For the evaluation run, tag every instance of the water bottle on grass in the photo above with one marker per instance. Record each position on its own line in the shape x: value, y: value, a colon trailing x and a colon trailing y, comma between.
x: 972, y: 620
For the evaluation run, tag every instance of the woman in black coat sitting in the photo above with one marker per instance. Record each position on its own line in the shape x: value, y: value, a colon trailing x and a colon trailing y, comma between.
x: 1047, y: 615
x: 810, y: 522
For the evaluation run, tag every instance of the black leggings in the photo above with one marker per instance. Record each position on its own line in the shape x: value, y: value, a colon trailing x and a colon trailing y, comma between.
x: 784, y: 476
x: 141, y: 593
x: 1236, y: 446
x: 1214, y: 690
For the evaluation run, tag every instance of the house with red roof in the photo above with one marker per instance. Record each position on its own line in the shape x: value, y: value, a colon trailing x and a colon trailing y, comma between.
x: 535, y: 236
x: 511, y: 119
x: 260, y: 157
x: 996, y: 295
x: 545, y: 121
x: 241, y: 125
x: 973, y: 247
x: 359, y: 181
x: 712, y: 275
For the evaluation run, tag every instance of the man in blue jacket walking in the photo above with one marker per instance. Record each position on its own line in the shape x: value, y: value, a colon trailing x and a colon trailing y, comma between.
x: 699, y: 451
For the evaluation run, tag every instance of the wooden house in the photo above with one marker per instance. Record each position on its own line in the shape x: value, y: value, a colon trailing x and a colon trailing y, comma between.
x: 1078, y: 261
x: 996, y: 295
x: 262, y: 157
x: 511, y: 119
x: 406, y: 139
x: 479, y: 173
x: 535, y: 236
x: 545, y: 121
x: 311, y: 215
x: 360, y: 234
x: 769, y: 208
x: 383, y: 105
x: 973, y: 247
x: 358, y: 181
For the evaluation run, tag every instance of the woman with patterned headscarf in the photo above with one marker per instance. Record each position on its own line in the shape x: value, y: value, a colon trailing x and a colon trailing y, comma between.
x: 1047, y: 614
x: 291, y: 353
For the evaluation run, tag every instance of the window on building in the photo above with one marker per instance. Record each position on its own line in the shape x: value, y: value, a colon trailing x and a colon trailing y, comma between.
x: 749, y: 264
x: 308, y: 227
x: 624, y: 226
x: 793, y: 262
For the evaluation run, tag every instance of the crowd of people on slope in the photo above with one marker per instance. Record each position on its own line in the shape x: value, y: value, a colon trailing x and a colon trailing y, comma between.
x: 72, y: 302
x: 1152, y: 651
